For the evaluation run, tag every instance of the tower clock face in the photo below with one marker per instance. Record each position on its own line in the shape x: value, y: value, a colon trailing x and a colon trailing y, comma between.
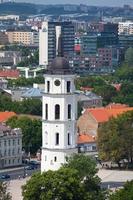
x: 57, y: 82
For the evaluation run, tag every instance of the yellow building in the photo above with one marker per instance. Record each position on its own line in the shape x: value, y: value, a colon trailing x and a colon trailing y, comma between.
x: 21, y: 37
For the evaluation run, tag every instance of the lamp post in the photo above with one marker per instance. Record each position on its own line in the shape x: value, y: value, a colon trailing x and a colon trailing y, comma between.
x: 29, y: 146
x: 24, y: 172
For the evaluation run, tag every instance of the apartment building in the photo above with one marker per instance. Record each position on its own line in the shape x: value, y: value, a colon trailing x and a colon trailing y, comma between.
x: 10, y: 146
x: 125, y: 28
x: 23, y: 37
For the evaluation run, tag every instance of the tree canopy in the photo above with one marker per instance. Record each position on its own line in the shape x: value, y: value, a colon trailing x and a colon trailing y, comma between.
x: 31, y: 131
x: 4, y: 195
x: 67, y: 183
x: 125, y: 193
x: 115, y: 139
x: 27, y: 106
x: 129, y: 56
x: 22, y: 81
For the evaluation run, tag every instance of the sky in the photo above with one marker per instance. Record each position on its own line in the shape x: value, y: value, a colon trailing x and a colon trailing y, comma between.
x: 88, y: 2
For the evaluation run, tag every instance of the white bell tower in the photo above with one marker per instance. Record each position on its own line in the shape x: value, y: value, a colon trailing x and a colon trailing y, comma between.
x: 59, y: 134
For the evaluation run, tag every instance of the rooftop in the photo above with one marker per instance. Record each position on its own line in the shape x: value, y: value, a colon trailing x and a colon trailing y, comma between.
x: 4, y: 116
x: 103, y: 114
x: 60, y: 65
x: 10, y: 73
x: 33, y: 92
x: 7, y: 131
x: 85, y: 138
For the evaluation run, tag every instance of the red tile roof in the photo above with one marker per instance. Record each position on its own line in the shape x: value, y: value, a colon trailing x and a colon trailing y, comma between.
x: 104, y: 114
x: 9, y: 73
x: 86, y: 138
x: 4, y: 116
x: 117, y: 86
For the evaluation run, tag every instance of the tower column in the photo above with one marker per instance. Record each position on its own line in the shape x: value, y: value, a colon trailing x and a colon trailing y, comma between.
x: 59, y: 116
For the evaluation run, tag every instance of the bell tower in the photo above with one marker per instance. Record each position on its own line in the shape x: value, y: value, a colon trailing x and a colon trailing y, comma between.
x: 59, y: 135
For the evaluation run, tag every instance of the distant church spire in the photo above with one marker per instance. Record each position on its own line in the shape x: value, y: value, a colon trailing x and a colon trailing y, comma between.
x: 59, y: 47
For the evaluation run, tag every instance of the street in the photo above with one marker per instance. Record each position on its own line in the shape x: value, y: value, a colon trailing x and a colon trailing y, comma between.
x: 111, y: 179
x: 18, y: 172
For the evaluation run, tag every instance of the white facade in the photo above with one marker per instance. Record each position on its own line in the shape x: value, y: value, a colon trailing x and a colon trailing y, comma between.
x: 43, y: 44
x: 58, y: 121
x: 125, y: 28
x: 10, y: 147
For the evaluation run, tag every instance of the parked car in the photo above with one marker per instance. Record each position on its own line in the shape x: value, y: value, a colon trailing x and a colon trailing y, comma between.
x: 5, y: 176
x: 30, y: 167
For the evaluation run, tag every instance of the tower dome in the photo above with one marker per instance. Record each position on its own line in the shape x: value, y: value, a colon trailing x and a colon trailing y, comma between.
x: 59, y: 65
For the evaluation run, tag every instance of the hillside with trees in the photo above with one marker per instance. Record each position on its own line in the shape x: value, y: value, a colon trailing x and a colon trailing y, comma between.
x: 17, y: 8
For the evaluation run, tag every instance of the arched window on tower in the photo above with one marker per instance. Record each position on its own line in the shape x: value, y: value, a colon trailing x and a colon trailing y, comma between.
x: 46, y: 137
x: 57, y: 111
x: 57, y: 139
x: 68, y: 139
x: 48, y: 86
x: 68, y: 86
x: 46, y: 111
x: 69, y: 111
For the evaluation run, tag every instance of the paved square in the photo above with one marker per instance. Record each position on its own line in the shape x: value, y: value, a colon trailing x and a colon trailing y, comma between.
x: 110, y: 179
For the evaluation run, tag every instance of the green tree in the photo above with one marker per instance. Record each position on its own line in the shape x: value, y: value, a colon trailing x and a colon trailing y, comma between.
x: 4, y: 195
x: 31, y: 130
x: 125, y: 95
x: 107, y: 92
x: 125, y: 193
x: 22, y: 81
x: 31, y: 106
x: 124, y: 73
x: 115, y: 139
x: 68, y: 183
x: 27, y: 106
x: 90, y: 81
x: 129, y: 56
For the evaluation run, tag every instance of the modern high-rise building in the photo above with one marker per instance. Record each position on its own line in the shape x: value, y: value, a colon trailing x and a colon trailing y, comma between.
x: 54, y: 36
x: 89, y: 44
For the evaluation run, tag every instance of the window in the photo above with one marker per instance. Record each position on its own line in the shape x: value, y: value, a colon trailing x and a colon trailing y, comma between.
x: 13, y: 142
x: 68, y: 138
x: 46, y: 137
x: 93, y: 148
x: 57, y: 111
x: 13, y: 152
x: 18, y: 142
x: 68, y: 86
x: 48, y: 86
x: 55, y: 159
x: 45, y: 158
x: 9, y: 153
x: 5, y: 142
x: 57, y: 139
x: 46, y: 111
x: 69, y: 111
